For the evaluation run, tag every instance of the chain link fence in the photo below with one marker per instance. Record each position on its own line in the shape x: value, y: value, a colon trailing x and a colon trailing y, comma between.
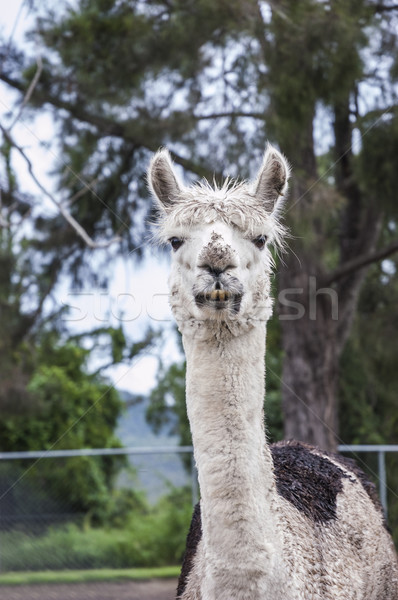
x: 95, y: 508
x: 119, y: 507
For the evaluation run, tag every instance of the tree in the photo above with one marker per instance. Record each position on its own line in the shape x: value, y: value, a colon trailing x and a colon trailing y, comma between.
x: 339, y: 221
x: 48, y: 396
x: 124, y: 78
x: 68, y: 408
x: 32, y: 263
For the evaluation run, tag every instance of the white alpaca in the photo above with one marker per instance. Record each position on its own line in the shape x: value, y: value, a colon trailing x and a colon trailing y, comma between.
x: 282, y: 522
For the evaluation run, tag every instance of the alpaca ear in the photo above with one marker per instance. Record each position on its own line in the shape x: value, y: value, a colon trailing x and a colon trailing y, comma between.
x: 272, y: 178
x: 162, y: 179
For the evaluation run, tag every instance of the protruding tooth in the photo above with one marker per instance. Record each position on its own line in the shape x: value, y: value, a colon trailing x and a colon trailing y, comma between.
x: 220, y: 295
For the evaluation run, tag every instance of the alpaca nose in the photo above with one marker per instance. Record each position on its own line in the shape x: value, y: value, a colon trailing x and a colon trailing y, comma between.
x: 216, y: 271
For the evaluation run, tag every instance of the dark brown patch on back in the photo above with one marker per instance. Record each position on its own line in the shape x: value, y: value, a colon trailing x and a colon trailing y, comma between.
x: 193, y: 539
x: 309, y: 481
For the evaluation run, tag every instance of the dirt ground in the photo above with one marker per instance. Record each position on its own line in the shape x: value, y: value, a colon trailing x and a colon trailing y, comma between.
x: 155, y: 589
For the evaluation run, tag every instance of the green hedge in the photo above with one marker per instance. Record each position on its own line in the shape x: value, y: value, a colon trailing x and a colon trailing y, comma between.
x: 155, y: 537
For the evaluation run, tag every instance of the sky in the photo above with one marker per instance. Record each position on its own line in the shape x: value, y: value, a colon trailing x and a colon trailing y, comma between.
x: 138, y: 294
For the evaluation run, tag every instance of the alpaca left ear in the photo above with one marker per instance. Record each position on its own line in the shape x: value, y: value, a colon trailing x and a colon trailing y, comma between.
x: 272, y: 178
x: 162, y: 179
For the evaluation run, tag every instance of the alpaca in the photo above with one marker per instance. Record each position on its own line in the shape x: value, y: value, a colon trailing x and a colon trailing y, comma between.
x: 281, y: 522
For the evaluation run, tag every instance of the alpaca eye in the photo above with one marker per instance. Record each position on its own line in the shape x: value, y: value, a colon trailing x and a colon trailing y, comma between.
x: 176, y: 242
x: 260, y: 241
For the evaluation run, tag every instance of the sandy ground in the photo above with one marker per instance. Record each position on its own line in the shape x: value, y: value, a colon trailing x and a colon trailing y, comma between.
x: 155, y: 589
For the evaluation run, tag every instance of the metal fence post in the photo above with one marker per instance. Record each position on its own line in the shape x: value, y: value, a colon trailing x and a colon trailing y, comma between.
x: 194, y: 481
x: 381, y: 456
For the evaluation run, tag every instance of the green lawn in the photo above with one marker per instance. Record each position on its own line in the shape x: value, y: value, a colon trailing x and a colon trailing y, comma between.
x: 19, y: 578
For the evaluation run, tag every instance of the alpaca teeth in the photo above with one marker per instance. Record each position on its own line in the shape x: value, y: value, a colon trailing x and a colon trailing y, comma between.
x: 220, y: 295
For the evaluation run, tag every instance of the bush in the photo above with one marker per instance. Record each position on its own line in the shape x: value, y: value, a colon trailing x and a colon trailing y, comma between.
x: 148, y: 538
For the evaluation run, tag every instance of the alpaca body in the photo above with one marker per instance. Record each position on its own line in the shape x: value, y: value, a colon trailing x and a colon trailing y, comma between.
x: 275, y: 523
x: 350, y: 556
x: 311, y: 533
x: 332, y: 561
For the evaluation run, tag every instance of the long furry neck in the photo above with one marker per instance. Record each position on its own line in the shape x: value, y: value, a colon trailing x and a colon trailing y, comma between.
x: 225, y: 396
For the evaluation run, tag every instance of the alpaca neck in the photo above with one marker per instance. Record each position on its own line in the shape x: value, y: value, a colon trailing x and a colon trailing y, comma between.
x: 225, y: 396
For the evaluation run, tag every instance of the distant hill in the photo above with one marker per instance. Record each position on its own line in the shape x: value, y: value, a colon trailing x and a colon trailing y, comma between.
x: 155, y: 473
x: 133, y: 429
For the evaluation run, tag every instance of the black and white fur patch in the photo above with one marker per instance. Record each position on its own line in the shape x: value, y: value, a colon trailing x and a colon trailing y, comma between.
x: 307, y: 479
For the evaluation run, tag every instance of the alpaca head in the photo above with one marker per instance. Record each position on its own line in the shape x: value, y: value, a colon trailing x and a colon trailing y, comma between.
x: 220, y: 240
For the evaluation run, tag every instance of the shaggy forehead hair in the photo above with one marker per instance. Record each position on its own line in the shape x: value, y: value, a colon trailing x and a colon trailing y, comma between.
x: 234, y: 204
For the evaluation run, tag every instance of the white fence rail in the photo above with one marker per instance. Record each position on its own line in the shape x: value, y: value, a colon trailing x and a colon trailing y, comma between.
x: 38, y: 455
x: 355, y: 449
x: 381, y: 451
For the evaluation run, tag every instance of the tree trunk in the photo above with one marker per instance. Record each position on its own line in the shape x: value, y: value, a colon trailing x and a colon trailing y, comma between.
x: 308, y: 312
x: 316, y: 321
x: 309, y: 318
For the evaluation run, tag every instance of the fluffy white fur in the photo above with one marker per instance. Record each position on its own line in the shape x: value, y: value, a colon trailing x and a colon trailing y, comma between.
x: 255, y: 544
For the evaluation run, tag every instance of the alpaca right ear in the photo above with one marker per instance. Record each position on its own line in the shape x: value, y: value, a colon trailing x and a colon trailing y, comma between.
x: 162, y: 179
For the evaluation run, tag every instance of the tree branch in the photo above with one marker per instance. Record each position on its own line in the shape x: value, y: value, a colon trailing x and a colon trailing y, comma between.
x: 346, y: 183
x: 110, y: 127
x: 376, y: 114
x: 359, y: 262
x: 231, y: 114
x: 34, y: 316
x: 29, y: 92
x: 382, y: 8
x: 64, y: 212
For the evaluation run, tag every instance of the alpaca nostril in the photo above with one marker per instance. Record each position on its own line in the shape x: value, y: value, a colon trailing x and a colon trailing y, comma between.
x: 211, y: 269
x: 216, y: 271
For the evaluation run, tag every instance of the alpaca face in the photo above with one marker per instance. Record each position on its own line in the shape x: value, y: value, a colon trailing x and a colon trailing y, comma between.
x: 219, y: 272
x: 221, y: 260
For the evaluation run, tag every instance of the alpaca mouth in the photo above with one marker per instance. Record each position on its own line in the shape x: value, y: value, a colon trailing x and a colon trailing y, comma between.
x: 219, y: 299
x: 218, y: 295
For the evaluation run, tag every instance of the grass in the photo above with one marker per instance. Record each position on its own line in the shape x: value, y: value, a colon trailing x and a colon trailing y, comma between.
x: 83, y: 576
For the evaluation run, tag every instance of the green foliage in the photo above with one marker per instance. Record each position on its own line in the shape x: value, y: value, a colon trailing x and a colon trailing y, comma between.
x: 146, y: 538
x: 88, y: 575
x: 64, y: 393
x: 313, y: 56
x: 73, y: 410
x: 48, y: 397
x: 167, y: 408
x: 369, y: 377
x: 168, y: 399
x: 377, y: 172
